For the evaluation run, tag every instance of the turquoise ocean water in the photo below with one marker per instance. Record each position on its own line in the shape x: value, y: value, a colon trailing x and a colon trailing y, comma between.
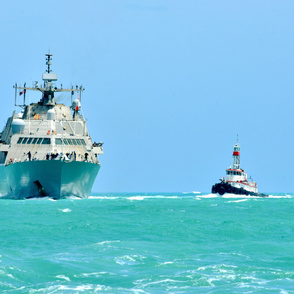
x: 148, y: 243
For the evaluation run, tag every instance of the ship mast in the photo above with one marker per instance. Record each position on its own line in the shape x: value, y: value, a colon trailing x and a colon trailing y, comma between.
x: 48, y: 78
x: 236, y: 156
x: 48, y: 89
x: 48, y: 62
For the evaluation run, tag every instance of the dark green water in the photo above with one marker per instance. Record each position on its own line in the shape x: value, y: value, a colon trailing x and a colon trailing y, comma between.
x: 148, y: 243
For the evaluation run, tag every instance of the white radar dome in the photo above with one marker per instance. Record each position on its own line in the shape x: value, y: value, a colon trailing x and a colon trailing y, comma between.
x: 17, y: 126
x: 51, y: 114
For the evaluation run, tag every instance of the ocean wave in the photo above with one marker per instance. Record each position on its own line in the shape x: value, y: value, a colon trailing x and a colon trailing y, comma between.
x: 129, y: 259
x: 65, y: 210
x: 144, y: 284
x: 208, y: 196
x: 139, y: 197
x: 165, y: 263
x: 63, y: 277
x: 107, y: 242
x: 180, y: 195
x: 236, y: 201
x: 280, y: 196
x: 104, y: 197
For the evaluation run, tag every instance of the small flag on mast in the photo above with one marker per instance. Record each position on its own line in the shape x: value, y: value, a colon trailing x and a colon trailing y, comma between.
x: 22, y: 92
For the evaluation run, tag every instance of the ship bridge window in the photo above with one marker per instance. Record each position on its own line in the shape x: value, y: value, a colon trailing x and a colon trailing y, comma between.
x: 79, y: 141
x: 58, y: 141
x: 39, y: 140
x: 65, y: 141
x: 29, y: 140
x: 74, y: 141
x: 70, y: 142
x: 46, y: 141
x: 19, y: 140
x: 24, y: 140
x: 83, y: 141
x: 34, y: 140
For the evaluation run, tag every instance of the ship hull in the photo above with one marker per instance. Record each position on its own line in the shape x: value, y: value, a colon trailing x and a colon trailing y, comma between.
x: 52, y: 178
x: 224, y: 187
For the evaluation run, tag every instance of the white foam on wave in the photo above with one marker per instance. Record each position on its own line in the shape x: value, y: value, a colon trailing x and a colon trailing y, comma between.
x: 166, y: 262
x: 136, y: 198
x: 103, y: 197
x: 63, y: 277
x: 108, y: 242
x: 72, y: 197
x: 129, y: 259
x: 280, y: 196
x: 140, y: 197
x: 237, y: 196
x: 102, y: 288
x: 81, y: 288
x: 65, y: 210
x: 95, y: 274
x: 208, y: 196
x: 236, y: 201
x: 164, y: 281
x: 218, y: 267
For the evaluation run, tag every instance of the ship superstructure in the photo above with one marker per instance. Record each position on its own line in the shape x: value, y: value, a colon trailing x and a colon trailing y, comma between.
x: 236, y: 181
x: 45, y: 149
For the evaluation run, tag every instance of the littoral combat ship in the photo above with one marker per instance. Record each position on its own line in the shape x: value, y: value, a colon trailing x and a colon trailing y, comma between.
x: 236, y: 181
x: 46, y: 150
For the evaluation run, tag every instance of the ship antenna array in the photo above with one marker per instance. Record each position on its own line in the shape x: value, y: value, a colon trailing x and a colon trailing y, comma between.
x: 21, y: 93
x: 47, y: 78
x: 49, y: 59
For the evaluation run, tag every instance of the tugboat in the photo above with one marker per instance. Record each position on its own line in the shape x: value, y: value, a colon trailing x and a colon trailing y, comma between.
x: 236, y: 181
x: 45, y: 149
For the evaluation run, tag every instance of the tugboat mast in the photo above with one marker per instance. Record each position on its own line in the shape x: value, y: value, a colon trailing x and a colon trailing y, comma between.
x: 236, y: 156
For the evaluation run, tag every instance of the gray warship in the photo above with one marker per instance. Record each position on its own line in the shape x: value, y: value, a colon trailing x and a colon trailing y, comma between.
x: 45, y: 149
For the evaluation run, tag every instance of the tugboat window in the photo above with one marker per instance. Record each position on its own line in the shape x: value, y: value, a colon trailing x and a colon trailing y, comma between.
x: 39, y: 140
x: 65, y: 142
x: 78, y: 141
x: 83, y: 141
x: 29, y: 140
x: 58, y: 141
x: 70, y: 141
x: 74, y: 141
x: 35, y: 140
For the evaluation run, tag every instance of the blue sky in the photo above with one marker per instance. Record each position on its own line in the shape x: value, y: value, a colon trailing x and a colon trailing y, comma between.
x: 169, y: 84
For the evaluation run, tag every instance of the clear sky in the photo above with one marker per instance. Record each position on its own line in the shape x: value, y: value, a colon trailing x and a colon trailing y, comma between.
x: 169, y: 84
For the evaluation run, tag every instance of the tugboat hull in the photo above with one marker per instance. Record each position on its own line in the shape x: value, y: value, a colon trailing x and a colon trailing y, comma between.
x: 224, y: 187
